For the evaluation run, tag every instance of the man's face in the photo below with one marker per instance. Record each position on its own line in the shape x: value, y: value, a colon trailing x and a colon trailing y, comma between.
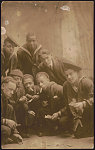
x: 9, y: 48
x: 32, y: 42
x: 42, y: 81
x: 9, y: 89
x: 28, y: 84
x: 47, y: 60
x: 72, y: 76
x: 18, y: 80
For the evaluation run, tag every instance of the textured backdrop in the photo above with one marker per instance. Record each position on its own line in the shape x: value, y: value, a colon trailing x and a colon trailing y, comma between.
x: 65, y: 32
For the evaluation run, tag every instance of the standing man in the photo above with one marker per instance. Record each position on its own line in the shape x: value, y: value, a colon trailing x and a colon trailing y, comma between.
x: 8, y: 57
x: 27, y: 59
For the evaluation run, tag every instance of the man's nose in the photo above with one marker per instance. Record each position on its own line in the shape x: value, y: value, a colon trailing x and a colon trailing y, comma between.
x: 46, y: 61
x: 19, y: 80
x: 11, y: 48
x: 32, y: 43
x: 41, y: 84
x: 69, y: 76
x: 28, y: 85
x: 12, y: 92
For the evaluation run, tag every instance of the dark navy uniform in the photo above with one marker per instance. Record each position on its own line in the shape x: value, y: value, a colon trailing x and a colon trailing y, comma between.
x: 8, y: 64
x: 25, y: 61
x: 84, y: 93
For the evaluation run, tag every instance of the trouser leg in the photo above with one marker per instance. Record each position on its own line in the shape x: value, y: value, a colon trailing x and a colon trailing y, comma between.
x: 66, y: 123
x: 87, y: 128
x: 10, y: 113
x: 5, y: 133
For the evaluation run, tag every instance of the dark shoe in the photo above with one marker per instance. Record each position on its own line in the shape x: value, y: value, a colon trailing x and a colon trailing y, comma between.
x: 10, y: 141
x: 40, y: 134
x: 67, y: 134
x: 16, y: 138
x: 7, y: 141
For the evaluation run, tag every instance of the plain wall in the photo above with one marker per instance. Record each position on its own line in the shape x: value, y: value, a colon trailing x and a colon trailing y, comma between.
x: 65, y: 33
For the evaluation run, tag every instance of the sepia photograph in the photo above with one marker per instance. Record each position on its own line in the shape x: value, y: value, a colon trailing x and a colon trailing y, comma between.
x: 47, y: 75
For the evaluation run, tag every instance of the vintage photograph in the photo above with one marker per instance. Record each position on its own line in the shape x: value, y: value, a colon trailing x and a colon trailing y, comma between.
x: 47, y: 75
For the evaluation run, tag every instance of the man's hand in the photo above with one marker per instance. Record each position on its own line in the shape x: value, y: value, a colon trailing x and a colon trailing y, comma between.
x: 23, y: 99
x: 29, y: 96
x: 80, y: 106
x: 31, y: 112
x: 55, y: 97
x: 48, y: 117
x: 55, y: 116
x: 35, y: 97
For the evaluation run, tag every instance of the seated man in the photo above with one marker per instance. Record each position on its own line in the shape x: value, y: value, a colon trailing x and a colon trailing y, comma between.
x: 51, y: 99
x: 8, y: 119
x: 78, y: 96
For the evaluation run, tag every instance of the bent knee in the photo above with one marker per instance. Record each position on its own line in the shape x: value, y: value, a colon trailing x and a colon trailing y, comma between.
x: 5, y: 131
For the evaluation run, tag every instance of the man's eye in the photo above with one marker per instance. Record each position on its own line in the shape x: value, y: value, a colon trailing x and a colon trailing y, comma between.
x: 70, y: 73
x: 66, y: 76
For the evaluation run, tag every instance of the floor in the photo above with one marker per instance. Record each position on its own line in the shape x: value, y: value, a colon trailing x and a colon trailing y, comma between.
x: 53, y: 142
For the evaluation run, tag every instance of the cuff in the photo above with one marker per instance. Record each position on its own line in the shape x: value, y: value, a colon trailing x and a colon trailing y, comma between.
x: 59, y: 113
x: 84, y: 104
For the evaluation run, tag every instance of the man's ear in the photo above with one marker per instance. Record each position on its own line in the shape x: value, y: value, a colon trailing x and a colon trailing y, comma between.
x: 3, y: 86
x: 4, y: 46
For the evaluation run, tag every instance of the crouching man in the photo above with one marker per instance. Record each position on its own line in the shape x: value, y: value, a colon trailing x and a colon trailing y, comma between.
x: 78, y: 96
x: 20, y: 91
x: 51, y: 98
x: 9, y: 132
x: 29, y: 105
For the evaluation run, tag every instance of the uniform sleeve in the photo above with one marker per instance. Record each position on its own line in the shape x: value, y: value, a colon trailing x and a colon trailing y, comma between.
x: 65, y: 98
x: 13, y: 62
x: 88, y: 90
x: 56, y: 90
x: 20, y: 55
